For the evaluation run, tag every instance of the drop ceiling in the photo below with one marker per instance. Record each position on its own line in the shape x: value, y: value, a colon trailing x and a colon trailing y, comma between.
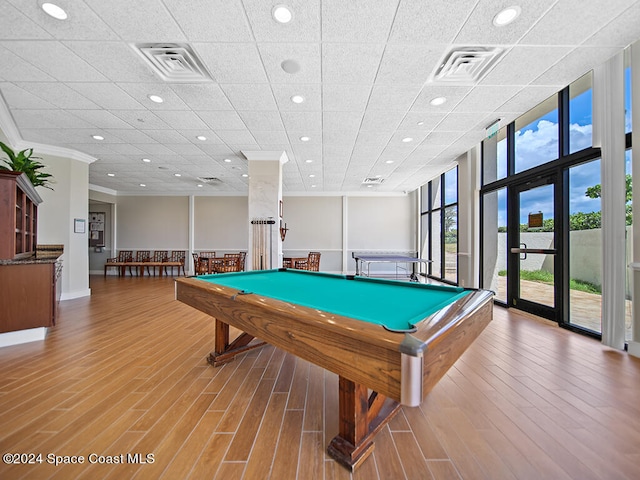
x: 365, y: 68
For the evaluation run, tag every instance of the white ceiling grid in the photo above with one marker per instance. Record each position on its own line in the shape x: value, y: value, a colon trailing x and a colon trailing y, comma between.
x: 365, y: 75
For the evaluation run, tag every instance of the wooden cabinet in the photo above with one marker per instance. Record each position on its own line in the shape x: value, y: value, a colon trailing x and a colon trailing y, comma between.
x: 30, y: 294
x: 18, y: 216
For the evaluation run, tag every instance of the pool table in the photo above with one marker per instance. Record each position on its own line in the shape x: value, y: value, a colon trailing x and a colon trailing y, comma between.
x: 394, y: 338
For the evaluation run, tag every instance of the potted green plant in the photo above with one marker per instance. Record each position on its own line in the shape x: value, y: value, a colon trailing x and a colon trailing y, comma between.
x: 26, y: 163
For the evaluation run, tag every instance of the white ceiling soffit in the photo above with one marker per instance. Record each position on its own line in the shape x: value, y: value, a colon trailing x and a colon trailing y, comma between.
x: 464, y: 65
x: 173, y: 62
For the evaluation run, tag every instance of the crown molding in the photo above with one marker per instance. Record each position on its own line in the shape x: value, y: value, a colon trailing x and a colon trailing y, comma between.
x: 10, y: 130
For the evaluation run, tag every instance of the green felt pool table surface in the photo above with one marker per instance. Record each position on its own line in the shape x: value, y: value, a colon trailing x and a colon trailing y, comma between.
x: 394, y: 304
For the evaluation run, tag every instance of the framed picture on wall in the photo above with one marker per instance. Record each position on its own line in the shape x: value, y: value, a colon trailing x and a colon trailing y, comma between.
x: 78, y: 225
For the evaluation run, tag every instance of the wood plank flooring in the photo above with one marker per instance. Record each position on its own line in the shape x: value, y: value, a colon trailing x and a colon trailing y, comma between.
x: 125, y: 372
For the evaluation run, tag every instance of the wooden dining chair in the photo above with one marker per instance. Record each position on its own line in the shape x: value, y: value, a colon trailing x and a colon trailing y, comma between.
x: 176, y: 259
x: 230, y: 263
x: 200, y: 267
x: 311, y: 264
x: 124, y: 256
x: 159, y: 256
x: 141, y: 256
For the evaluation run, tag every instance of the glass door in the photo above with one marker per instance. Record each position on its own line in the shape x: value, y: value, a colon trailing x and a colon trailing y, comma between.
x: 535, y: 276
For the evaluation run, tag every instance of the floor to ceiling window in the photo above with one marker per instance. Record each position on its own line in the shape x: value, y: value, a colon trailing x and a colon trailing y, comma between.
x: 439, y: 226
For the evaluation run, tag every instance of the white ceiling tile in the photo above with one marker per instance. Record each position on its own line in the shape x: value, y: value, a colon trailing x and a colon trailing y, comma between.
x: 312, y: 97
x: 154, y: 149
x: 117, y: 61
x: 339, y: 136
x: 59, y: 94
x: 207, y: 96
x: 520, y: 64
x: 621, y: 32
x: 250, y: 97
x: 107, y: 95
x: 345, y: 98
x: 125, y: 149
x: 183, y: 149
x: 344, y: 120
x: 232, y: 62
x: 149, y: 20
x: 129, y: 135
x: 362, y: 21
x: 81, y: 22
x: 304, y: 26
x: 257, y: 121
x: 192, y: 136
x: 393, y: 97
x: 309, y: 121
x: 526, y: 98
x: 100, y: 118
x: 236, y: 137
x: 345, y: 63
x: 20, y: 98
x: 461, y: 122
x: 453, y: 95
x: 216, y: 149
x: 16, y: 69
x: 181, y: 120
x: 417, y: 21
x: 56, y: 60
x: 574, y: 65
x: 48, y: 119
x: 141, y: 92
x: 478, y: 29
x: 441, y: 137
x: 308, y: 152
x: 551, y: 29
x: 222, y: 120
x: 379, y: 120
x: 427, y: 121
x: 211, y: 20
x: 411, y: 64
x: 307, y: 55
x: 373, y: 138
x: 168, y: 137
x: 17, y: 24
x: 142, y: 119
x: 481, y: 98
x: 276, y: 137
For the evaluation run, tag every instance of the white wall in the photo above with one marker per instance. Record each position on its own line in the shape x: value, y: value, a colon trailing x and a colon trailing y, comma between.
x: 68, y: 200
x: 316, y: 223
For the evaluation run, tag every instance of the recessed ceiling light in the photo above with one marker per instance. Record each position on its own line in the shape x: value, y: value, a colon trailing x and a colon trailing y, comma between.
x: 202, y: 138
x: 143, y: 185
x: 245, y: 175
x: 282, y: 14
x: 313, y: 186
x: 155, y: 98
x: 111, y: 174
x: 297, y: 99
x: 389, y: 161
x: 506, y: 16
x: 407, y: 139
x: 200, y: 185
x: 97, y: 137
x: 312, y: 176
x: 227, y: 160
x: 305, y: 139
x: 54, y: 11
x: 438, y: 101
x: 308, y: 161
x: 146, y: 160
x: 421, y: 123
x: 369, y: 186
x: 177, y: 174
x: 290, y: 66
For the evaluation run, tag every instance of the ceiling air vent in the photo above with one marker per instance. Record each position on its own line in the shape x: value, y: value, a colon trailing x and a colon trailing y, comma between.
x: 210, y: 180
x: 466, y: 64
x: 373, y: 181
x: 173, y: 62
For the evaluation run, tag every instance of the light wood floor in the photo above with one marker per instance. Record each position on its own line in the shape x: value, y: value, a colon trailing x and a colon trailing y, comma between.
x: 125, y: 372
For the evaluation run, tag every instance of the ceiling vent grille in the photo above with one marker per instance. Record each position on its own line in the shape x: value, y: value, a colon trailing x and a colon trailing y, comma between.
x: 373, y: 181
x: 210, y: 180
x: 173, y: 62
x: 466, y: 64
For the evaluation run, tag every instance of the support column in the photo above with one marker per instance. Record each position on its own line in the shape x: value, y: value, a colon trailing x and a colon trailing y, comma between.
x: 265, y: 195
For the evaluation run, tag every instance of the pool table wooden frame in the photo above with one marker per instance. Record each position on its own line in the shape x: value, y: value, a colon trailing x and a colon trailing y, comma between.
x: 364, y: 356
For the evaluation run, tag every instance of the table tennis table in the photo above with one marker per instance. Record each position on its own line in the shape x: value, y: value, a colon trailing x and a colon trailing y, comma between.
x: 364, y: 261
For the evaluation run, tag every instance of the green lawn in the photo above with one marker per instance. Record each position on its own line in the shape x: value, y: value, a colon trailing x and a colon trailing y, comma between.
x: 543, y: 276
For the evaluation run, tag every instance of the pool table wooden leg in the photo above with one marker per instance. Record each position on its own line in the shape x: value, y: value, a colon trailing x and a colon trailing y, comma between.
x: 361, y: 417
x: 224, y: 351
